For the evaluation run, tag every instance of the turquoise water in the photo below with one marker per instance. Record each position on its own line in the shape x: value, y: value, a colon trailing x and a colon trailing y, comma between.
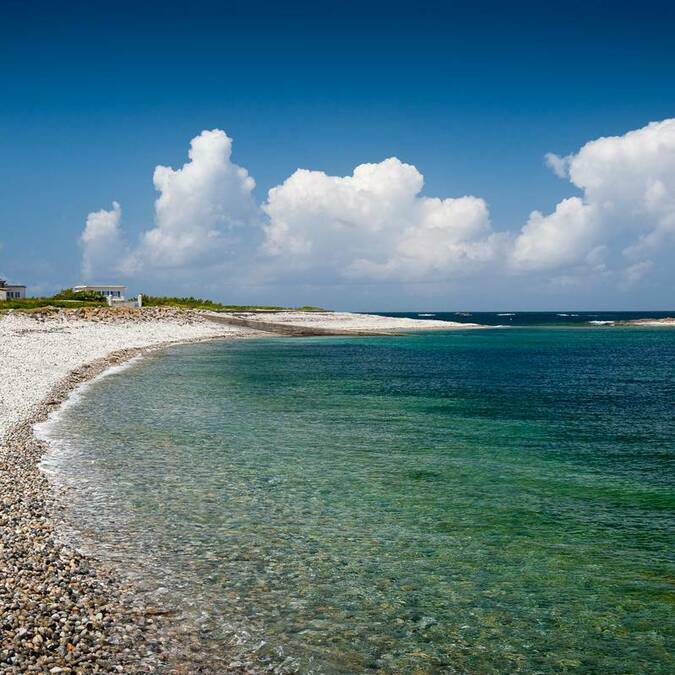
x: 474, y: 501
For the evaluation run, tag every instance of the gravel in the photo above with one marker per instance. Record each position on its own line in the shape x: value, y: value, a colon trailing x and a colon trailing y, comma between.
x: 60, y: 611
x: 39, y: 349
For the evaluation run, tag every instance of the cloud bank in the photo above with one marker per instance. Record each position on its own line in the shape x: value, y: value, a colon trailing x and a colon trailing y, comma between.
x: 627, y: 207
x: 376, y: 225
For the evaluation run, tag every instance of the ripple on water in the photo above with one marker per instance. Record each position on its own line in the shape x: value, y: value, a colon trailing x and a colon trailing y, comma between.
x: 484, y: 502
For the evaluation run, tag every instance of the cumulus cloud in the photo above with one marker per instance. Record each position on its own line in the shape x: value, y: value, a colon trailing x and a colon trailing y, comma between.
x: 197, y: 214
x: 627, y: 202
x: 374, y: 224
x: 377, y: 225
x: 103, y: 248
x: 562, y: 238
x: 199, y: 205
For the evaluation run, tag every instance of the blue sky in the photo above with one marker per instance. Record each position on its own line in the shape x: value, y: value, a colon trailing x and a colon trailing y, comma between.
x: 96, y: 95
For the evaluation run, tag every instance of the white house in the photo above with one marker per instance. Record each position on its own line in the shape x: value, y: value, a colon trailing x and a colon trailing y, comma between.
x: 11, y: 291
x: 112, y: 291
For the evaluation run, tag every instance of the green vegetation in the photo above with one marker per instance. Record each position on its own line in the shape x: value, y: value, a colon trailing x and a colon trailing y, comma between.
x: 64, y: 298
x: 42, y: 303
x: 67, y: 298
x: 201, y: 303
x: 70, y: 294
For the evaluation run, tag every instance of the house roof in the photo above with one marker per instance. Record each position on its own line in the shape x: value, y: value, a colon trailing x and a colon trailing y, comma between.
x: 99, y: 286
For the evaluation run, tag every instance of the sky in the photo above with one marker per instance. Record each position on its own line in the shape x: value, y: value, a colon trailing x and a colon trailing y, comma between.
x: 354, y: 155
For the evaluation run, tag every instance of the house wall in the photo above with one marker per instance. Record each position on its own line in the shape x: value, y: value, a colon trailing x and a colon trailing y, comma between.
x: 12, y: 293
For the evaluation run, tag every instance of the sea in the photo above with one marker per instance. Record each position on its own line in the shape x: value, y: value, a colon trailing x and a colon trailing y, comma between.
x: 462, y: 501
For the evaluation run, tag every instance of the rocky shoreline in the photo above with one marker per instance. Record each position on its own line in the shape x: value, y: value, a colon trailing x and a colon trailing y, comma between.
x: 62, y: 612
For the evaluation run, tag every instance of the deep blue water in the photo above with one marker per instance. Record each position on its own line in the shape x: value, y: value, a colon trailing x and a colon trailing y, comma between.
x: 541, y: 319
x: 471, y: 501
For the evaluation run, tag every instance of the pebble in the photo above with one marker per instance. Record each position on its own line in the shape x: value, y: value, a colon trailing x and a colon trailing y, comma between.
x: 60, y: 611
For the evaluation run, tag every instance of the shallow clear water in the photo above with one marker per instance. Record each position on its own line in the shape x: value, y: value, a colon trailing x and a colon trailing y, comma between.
x: 484, y: 502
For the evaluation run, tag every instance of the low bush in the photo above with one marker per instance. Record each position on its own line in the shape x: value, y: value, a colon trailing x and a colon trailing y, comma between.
x: 38, y: 303
x: 70, y: 294
x: 201, y: 303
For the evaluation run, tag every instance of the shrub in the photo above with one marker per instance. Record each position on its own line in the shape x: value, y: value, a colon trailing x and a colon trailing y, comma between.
x: 201, y: 303
x: 70, y: 294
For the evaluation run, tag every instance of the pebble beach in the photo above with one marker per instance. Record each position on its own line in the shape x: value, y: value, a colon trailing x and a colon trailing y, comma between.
x: 63, y: 612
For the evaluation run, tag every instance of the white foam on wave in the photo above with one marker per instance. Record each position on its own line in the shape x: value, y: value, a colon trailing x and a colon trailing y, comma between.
x: 602, y: 323
x: 45, y: 430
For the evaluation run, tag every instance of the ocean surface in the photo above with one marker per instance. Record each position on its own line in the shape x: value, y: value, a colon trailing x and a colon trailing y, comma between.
x: 539, y: 319
x: 490, y: 501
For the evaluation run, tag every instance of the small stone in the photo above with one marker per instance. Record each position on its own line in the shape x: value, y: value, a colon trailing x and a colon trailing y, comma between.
x: 426, y: 622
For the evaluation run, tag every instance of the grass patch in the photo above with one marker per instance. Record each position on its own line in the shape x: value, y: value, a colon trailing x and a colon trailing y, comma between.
x: 83, y: 296
x: 68, y: 299
x: 65, y: 298
x: 201, y: 303
x: 34, y: 304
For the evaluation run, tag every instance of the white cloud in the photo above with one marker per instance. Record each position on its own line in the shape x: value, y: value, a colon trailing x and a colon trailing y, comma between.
x: 562, y: 238
x: 199, y: 206
x: 199, y: 209
x: 628, y: 202
x: 374, y: 224
x: 637, y: 271
x: 559, y: 165
x: 103, y: 248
